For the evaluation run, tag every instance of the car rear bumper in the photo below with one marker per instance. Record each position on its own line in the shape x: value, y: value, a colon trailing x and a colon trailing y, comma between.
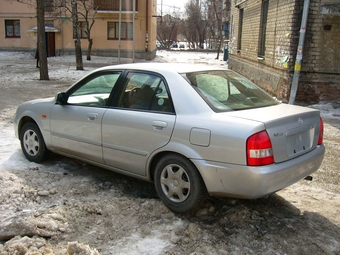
x: 239, y: 181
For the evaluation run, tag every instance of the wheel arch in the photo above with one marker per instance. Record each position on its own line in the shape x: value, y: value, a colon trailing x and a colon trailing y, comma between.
x: 180, y: 193
x: 155, y: 159
x: 32, y: 141
x: 23, y: 121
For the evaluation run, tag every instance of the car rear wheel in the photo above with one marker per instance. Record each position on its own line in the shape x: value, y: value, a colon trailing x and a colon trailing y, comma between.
x: 178, y: 183
x: 32, y: 143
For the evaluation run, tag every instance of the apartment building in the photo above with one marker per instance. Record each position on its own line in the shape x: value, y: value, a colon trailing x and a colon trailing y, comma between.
x: 18, y: 27
x: 264, y: 46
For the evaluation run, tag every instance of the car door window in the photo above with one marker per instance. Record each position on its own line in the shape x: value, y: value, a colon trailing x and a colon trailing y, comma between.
x: 95, y: 90
x: 146, y: 91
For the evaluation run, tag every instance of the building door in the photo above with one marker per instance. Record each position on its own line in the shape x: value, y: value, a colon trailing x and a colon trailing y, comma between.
x: 50, y: 44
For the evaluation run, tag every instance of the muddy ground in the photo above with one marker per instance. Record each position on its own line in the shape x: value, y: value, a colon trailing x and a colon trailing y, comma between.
x: 65, y: 206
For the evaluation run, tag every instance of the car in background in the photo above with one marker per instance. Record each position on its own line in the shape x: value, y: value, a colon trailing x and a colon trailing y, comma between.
x: 193, y: 130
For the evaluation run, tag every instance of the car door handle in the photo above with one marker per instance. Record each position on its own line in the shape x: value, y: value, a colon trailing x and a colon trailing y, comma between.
x: 159, y: 125
x: 92, y: 116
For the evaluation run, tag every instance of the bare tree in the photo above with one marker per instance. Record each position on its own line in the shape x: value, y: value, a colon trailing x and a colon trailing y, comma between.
x: 196, y: 24
x: 87, y: 7
x: 167, y: 30
x: 41, y: 45
x: 42, y: 40
x: 219, y: 23
x: 84, y: 10
x: 76, y: 38
x: 189, y: 29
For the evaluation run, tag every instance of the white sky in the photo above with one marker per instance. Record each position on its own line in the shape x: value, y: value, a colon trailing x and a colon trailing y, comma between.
x: 169, y: 4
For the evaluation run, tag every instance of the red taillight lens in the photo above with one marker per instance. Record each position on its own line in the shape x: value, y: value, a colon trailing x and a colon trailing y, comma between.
x: 320, y: 140
x: 259, y: 150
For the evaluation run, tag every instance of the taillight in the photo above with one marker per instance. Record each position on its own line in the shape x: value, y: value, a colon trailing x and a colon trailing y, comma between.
x: 259, y: 150
x: 320, y: 140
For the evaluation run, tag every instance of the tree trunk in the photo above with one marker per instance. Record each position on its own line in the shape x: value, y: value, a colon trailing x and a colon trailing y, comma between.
x: 219, y: 45
x: 89, y: 48
x: 77, y: 44
x: 42, y: 55
x: 219, y: 22
x: 79, y: 57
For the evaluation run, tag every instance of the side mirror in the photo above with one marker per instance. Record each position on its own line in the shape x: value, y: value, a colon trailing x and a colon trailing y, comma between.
x: 61, y: 98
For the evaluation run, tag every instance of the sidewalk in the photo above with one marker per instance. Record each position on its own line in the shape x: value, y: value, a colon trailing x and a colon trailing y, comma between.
x: 191, y: 57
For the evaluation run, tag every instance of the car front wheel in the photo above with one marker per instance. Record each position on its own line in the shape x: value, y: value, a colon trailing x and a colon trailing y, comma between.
x: 178, y: 183
x: 32, y: 143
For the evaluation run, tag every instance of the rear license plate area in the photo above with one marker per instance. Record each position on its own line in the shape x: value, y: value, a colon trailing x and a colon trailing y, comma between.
x: 300, y: 143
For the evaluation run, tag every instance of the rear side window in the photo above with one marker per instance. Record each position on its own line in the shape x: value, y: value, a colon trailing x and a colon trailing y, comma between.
x: 226, y: 91
x: 145, y: 91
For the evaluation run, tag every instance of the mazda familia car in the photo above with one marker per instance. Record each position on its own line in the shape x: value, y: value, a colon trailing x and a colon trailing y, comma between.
x: 193, y: 130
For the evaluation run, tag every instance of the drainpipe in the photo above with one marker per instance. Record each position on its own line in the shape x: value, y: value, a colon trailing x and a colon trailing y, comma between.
x: 61, y: 36
x: 147, y: 27
x: 119, y: 29
x: 133, y: 30
x: 298, y: 60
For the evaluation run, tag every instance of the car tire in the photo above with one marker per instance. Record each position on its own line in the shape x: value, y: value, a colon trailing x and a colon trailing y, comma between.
x: 179, y: 184
x: 32, y: 143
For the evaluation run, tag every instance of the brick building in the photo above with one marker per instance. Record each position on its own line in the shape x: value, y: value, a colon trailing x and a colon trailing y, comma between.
x: 264, y: 43
x: 18, y: 26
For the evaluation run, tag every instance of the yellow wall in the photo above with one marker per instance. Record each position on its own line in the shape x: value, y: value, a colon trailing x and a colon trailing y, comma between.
x: 11, y: 10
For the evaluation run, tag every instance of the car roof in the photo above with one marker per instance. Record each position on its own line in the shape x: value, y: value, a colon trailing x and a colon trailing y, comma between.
x: 165, y: 67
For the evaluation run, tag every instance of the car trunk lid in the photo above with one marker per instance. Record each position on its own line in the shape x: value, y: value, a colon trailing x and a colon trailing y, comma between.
x: 293, y: 130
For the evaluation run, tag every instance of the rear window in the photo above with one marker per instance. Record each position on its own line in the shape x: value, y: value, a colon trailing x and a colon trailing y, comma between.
x: 226, y: 91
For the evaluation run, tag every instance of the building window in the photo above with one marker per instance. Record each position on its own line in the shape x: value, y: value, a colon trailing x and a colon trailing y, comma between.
x: 226, y: 28
x: 263, y: 28
x: 239, y: 37
x: 82, y: 29
x: 126, y: 32
x: 49, y: 23
x: 49, y: 5
x: 113, y: 5
x: 12, y: 28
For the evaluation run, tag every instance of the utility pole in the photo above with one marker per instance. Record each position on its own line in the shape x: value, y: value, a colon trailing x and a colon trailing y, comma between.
x: 297, y: 67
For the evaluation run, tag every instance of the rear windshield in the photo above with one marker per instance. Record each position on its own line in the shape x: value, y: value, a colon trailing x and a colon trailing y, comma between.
x: 226, y: 90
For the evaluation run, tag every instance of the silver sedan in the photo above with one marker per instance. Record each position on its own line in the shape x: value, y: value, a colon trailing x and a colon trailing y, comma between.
x: 192, y: 130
